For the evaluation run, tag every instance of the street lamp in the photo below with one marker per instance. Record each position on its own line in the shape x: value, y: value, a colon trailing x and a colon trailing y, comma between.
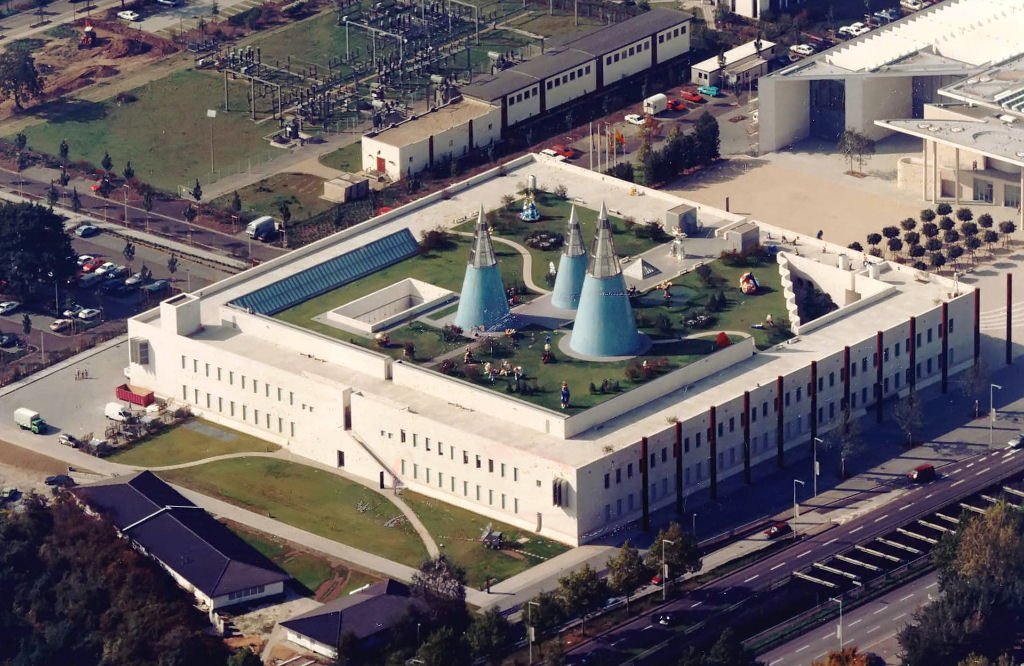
x: 992, y: 412
x: 529, y: 625
x: 664, y: 568
x: 796, y: 507
x: 693, y: 526
x: 839, y: 630
x: 211, y: 114
x: 817, y: 440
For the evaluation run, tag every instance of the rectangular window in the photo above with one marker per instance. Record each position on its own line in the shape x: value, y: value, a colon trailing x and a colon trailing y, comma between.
x: 515, y: 505
x: 696, y: 441
x: 732, y: 423
x: 951, y: 325
x: 245, y: 412
x: 479, y: 462
x: 607, y: 480
x: 403, y: 466
x: 864, y: 364
x: 787, y: 397
x: 653, y: 459
x: 401, y: 436
x: 291, y: 427
x: 548, y: 85
x: 415, y: 471
x: 182, y: 361
x: 502, y: 470
x: 929, y: 335
x: 243, y: 382
x: 664, y: 454
x: 831, y: 379
x: 490, y: 465
x: 231, y: 377
x: 764, y: 408
x: 853, y: 369
x: 254, y: 387
x: 220, y: 405
x: 629, y: 471
x: 478, y: 492
x: 184, y: 392
x: 503, y: 500
x: 426, y: 443
x: 465, y: 457
x: 465, y: 488
x: 440, y: 479
x: 232, y: 411
x: 618, y: 475
x: 515, y: 474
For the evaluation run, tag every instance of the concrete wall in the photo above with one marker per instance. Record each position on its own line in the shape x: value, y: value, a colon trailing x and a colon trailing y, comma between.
x: 873, y: 98
x: 784, y: 115
x: 313, y: 646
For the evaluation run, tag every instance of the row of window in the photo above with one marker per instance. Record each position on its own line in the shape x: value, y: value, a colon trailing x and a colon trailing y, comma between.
x: 431, y: 477
x: 428, y: 446
x: 559, y: 81
x: 248, y: 592
x: 627, y: 53
x: 519, y: 97
x: 672, y: 34
x: 215, y: 372
x: 243, y: 411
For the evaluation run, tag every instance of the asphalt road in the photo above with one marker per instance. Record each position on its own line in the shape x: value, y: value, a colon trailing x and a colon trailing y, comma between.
x: 956, y: 480
x: 866, y: 626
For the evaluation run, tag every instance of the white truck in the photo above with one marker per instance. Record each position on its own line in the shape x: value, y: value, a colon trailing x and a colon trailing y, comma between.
x: 261, y: 227
x: 115, y: 411
x: 29, y: 419
x: 655, y: 104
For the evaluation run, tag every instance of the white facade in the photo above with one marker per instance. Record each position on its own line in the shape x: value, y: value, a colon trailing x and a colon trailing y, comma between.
x: 538, y: 469
x: 742, y: 63
x: 570, y: 84
x: 313, y: 646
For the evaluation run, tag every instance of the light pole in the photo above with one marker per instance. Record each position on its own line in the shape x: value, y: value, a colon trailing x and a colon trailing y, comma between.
x: 529, y: 625
x: 693, y: 526
x: 817, y: 440
x: 211, y: 114
x: 125, y: 192
x: 56, y: 297
x: 991, y: 412
x: 839, y: 630
x: 796, y: 508
x: 664, y: 568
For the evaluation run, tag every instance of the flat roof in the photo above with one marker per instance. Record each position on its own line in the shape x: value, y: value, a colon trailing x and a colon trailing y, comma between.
x: 614, y: 37
x: 430, y: 123
x: 908, y: 296
x: 988, y: 136
x: 733, y: 56
x: 1001, y: 87
x: 955, y: 33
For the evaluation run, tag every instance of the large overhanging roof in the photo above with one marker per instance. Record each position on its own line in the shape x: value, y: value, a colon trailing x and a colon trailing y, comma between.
x: 1000, y: 88
x: 990, y: 137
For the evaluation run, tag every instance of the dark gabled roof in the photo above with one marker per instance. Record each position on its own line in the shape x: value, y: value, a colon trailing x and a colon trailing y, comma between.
x: 364, y: 614
x: 571, y: 51
x: 180, y: 534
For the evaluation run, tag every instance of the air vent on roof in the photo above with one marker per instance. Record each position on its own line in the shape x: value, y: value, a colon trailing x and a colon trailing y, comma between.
x: 934, y: 129
x: 1020, y: 153
x: 956, y: 130
x: 923, y: 125
x: 1007, y: 118
x: 985, y: 79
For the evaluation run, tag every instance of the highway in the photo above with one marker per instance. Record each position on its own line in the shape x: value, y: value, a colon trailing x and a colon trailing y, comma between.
x: 956, y: 481
x: 865, y: 626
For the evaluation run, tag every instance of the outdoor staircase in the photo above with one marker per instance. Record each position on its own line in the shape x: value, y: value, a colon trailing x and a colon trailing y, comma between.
x: 786, y: 276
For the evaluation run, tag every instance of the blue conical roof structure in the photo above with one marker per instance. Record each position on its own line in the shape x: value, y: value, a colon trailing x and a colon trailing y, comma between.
x: 605, y: 325
x: 482, y: 301
x: 572, y: 267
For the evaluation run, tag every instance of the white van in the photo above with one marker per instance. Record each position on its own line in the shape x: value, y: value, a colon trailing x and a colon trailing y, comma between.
x: 115, y: 411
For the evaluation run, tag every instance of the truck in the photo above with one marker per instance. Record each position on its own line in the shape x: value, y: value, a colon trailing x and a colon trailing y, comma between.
x: 29, y: 419
x: 115, y: 411
x: 655, y: 104
x: 261, y: 227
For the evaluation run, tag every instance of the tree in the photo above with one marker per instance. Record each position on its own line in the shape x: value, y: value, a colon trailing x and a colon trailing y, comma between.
x: 927, y: 215
x: 955, y: 252
x: 972, y: 243
x: 916, y: 251
x: 236, y: 203
x: 855, y: 146
x: 682, y: 554
x: 545, y: 612
x: 974, y: 659
x: 172, y: 265
x: 908, y: 415
x: 707, y: 137
x: 911, y: 238
x: 908, y: 224
x: 52, y: 195
x: 76, y: 201
x: 891, y: 232
x: 946, y: 223
x: 444, y: 647
x: 943, y: 208
x: 582, y: 592
x: 627, y: 572
x: 991, y: 238
x: 128, y: 171
x: 197, y: 192
x: 985, y: 220
x: 244, y: 657
x: 930, y: 229
x: 874, y: 239
x: 964, y: 214
x: 951, y: 236
x: 442, y: 585
x: 26, y: 324
x: 19, y: 78
x: 933, y: 245
x: 937, y: 260
x: 850, y: 656
x: 189, y: 213
x: 489, y: 635
x: 350, y: 650
x: 147, y: 202
x: 969, y: 228
x: 856, y: 247
x: 106, y: 162
x: 895, y: 245
x: 34, y: 250
x: 286, y: 213
x: 20, y: 141
x: 973, y: 381
x: 728, y: 650
x: 847, y: 436
x: 1006, y: 228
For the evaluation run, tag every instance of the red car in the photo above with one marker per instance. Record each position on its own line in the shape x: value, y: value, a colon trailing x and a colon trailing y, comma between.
x: 777, y: 530
x: 676, y: 105
x: 565, y: 151
x: 691, y: 96
x: 93, y: 264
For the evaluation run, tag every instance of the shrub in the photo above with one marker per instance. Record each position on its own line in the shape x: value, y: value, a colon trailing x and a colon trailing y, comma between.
x: 435, y: 239
x: 561, y: 191
x: 705, y: 274
x: 943, y: 209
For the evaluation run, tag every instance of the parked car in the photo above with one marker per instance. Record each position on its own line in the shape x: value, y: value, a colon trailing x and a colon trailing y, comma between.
x: 565, y: 151
x: 60, y: 481
x: 82, y: 258
x: 73, y: 310
x: 58, y: 325
x: 1016, y: 442
x: 912, y: 5
x: 129, y: 15
x: 116, y: 272
x: 850, y: 30
x: 8, y: 493
x: 7, y: 307
x: 136, y: 279
x: 691, y: 96
x: 675, y: 105
x: 857, y: 32
x: 887, y: 15
x: 104, y: 268
x: 778, y: 529
x: 89, y: 314
x: 157, y: 288
x: 69, y: 440
x: 710, y: 91
x: 87, y: 231
x: 666, y: 619
x: 802, y: 49
x: 90, y: 266
x: 634, y: 119
x: 548, y: 152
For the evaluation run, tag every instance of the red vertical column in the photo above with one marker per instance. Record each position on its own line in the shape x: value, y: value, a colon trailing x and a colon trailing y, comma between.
x: 746, y: 437
x: 679, y: 467
x: 814, y: 401
x: 713, y: 445
x: 945, y: 347
x: 977, y: 325
x: 645, y: 500
x: 912, y: 379
x: 1009, y: 318
x: 879, y: 395
x: 780, y: 414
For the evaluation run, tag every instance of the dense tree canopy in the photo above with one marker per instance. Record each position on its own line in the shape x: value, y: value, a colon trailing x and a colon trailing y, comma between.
x: 72, y: 592
x: 34, y: 250
x: 19, y: 78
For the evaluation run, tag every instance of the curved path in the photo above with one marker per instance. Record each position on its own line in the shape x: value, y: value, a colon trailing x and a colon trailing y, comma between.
x: 282, y: 454
x: 527, y: 262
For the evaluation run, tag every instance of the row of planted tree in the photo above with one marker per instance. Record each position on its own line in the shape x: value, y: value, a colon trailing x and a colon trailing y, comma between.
x: 939, y: 240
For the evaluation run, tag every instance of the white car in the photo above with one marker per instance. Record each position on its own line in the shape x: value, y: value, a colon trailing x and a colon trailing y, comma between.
x: 851, y: 30
x: 912, y: 5
x: 58, y: 325
x: 128, y: 15
x: 857, y: 32
x: 105, y: 268
x: 549, y: 152
x: 802, y: 49
x: 89, y: 314
x: 7, y: 307
x: 1016, y: 442
x: 634, y: 119
x: 84, y: 259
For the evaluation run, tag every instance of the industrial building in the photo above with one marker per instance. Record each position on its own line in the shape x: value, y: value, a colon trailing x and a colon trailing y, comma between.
x: 568, y: 475
x: 569, y: 68
x: 743, y: 65
x: 891, y: 72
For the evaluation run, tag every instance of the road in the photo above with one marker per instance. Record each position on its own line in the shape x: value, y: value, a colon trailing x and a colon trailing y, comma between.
x: 866, y: 626
x: 957, y: 480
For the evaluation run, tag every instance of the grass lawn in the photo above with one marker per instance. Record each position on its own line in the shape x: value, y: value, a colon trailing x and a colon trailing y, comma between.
x: 459, y: 530
x: 321, y: 576
x: 554, y: 217
x: 349, y: 158
x: 164, y: 133
x: 316, y: 39
x: 192, y: 440
x: 301, y: 191
x: 310, y: 499
x: 541, y: 23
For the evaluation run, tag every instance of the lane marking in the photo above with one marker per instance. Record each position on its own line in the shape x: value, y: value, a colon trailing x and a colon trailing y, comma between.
x: 905, y: 507
x: 928, y: 495
x: 970, y: 466
x: 958, y: 469
x: 857, y: 529
x: 881, y: 610
x: 906, y: 597
x: 901, y: 615
x: 650, y: 626
x: 880, y: 519
x: 860, y: 619
x: 778, y: 566
x: 806, y: 552
x: 831, y: 541
x: 696, y: 604
x: 874, y: 628
x: 802, y: 649
x: 932, y: 585
x: 956, y: 483
x: 751, y: 578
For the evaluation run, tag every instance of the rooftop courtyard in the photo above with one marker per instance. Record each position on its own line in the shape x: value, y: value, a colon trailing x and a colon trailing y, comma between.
x: 684, y: 316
